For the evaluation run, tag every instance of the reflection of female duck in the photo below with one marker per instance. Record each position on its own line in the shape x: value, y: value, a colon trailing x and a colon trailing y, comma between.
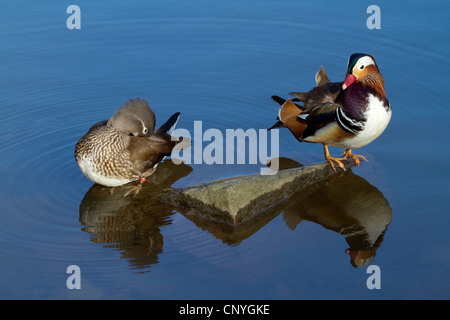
x: 349, y: 205
x: 131, y: 224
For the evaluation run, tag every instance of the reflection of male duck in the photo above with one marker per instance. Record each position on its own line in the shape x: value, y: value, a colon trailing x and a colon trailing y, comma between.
x: 132, y: 224
x: 342, y: 202
x: 349, y: 205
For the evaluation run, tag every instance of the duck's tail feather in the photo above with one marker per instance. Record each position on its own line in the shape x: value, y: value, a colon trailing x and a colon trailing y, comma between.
x: 289, y: 117
x: 277, y: 124
x: 298, y: 96
x: 170, y: 124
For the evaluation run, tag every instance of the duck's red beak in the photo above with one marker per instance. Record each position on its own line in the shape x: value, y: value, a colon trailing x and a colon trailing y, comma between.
x: 349, y: 79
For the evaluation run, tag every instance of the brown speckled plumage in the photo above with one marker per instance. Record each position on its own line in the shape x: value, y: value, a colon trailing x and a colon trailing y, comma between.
x: 126, y: 147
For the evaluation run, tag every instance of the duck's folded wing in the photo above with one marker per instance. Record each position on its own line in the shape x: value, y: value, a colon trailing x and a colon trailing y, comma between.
x: 145, y: 153
x: 322, y: 113
x: 318, y: 117
x: 328, y: 93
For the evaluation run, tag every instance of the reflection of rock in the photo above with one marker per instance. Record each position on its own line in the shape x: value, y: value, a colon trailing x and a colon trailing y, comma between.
x: 234, y: 200
x: 131, y: 224
x: 232, y: 234
x: 235, y: 208
x: 349, y: 205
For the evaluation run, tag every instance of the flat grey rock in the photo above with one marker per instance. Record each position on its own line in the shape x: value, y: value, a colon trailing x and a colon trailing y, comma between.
x: 234, y: 200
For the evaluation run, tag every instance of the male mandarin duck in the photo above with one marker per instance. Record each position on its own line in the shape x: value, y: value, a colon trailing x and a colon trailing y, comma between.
x: 348, y: 114
x: 126, y: 147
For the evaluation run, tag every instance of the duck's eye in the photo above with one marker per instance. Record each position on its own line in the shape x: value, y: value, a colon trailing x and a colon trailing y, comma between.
x: 145, y: 130
x: 362, y: 67
x: 131, y: 134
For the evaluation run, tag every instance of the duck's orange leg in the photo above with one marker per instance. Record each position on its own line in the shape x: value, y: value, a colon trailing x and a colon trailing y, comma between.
x: 348, y: 154
x: 135, y: 188
x: 330, y: 159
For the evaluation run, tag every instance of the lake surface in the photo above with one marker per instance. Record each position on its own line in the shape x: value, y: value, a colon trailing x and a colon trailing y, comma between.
x: 219, y: 63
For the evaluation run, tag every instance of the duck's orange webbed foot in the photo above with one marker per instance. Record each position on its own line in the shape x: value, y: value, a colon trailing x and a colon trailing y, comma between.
x: 348, y: 154
x: 136, y: 188
x: 331, y: 159
x: 337, y: 160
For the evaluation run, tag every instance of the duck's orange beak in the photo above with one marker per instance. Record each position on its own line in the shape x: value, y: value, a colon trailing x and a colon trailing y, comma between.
x: 349, y: 79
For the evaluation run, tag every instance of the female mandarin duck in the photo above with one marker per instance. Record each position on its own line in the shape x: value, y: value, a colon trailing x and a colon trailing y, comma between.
x: 125, y: 148
x: 348, y: 114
